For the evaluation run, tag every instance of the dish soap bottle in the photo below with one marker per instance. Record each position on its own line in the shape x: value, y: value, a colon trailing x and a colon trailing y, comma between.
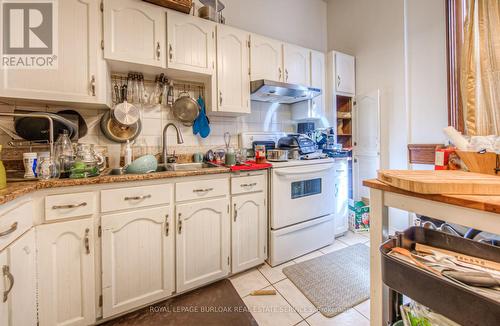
x: 3, y: 175
x: 128, y: 153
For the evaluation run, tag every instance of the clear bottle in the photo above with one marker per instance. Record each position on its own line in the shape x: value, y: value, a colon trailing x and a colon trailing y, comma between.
x: 46, y: 167
x: 64, y: 154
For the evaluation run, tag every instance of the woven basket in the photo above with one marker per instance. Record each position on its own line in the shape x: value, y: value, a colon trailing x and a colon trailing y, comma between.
x: 487, y: 163
x: 178, y: 5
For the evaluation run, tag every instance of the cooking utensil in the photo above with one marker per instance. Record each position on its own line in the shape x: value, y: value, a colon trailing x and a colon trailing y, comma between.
x: 117, y: 132
x: 186, y: 109
x: 408, y: 254
x: 126, y: 113
x: 277, y: 155
x: 227, y: 140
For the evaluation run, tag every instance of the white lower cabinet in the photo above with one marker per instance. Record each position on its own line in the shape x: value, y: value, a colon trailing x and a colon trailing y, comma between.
x: 18, y: 285
x: 66, y: 274
x: 249, y: 231
x: 137, y: 258
x: 202, y: 242
x: 341, y: 185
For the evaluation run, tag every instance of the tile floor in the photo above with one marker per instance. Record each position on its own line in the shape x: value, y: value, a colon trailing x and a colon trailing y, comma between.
x: 289, y: 306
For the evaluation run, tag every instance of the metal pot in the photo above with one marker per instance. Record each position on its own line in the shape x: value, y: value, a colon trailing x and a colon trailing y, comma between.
x: 277, y: 155
x: 186, y: 109
x: 117, y: 132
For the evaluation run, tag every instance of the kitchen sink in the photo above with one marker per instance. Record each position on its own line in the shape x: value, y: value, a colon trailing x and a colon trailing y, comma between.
x: 186, y: 166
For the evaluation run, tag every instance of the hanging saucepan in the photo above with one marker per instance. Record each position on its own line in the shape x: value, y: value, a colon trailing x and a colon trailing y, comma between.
x: 118, y: 132
x: 186, y: 109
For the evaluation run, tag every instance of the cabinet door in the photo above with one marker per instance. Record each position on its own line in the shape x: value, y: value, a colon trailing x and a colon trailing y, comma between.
x: 233, y: 74
x: 249, y: 225
x: 134, y: 32
x: 137, y: 258
x: 191, y: 43
x: 341, y: 185
x: 202, y: 242
x: 345, y: 79
x: 66, y: 273
x: 318, y: 80
x: 266, y: 58
x: 297, y: 63
x: 19, y: 279
x: 80, y: 75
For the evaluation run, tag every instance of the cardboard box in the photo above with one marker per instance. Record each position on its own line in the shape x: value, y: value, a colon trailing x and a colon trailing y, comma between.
x: 359, y: 217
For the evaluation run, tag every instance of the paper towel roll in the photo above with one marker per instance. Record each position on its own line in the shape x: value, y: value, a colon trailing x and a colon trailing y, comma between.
x: 456, y: 138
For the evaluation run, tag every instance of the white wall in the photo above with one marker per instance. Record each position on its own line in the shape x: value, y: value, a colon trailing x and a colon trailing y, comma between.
x: 302, y: 22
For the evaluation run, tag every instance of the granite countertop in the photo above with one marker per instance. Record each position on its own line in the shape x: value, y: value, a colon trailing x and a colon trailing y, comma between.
x: 18, y: 189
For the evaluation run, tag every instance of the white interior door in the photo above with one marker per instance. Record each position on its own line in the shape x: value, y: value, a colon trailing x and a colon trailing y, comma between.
x: 233, y: 74
x: 266, y: 58
x: 138, y: 258
x: 366, y: 141
x: 249, y: 231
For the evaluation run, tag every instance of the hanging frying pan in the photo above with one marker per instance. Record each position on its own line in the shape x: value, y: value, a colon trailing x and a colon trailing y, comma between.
x: 118, y: 132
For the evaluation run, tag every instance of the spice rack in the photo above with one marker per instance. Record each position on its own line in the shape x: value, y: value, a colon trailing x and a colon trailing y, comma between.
x: 344, y: 121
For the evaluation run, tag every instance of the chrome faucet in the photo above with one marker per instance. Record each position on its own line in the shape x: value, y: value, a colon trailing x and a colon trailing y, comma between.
x: 179, y: 140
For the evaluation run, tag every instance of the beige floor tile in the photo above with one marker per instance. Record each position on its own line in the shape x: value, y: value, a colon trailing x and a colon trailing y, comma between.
x: 308, y: 256
x: 364, y: 308
x: 274, y: 274
x: 271, y: 310
x: 302, y: 323
x: 348, y: 318
x: 337, y: 245
x: 294, y: 297
x: 351, y: 238
x: 247, y: 282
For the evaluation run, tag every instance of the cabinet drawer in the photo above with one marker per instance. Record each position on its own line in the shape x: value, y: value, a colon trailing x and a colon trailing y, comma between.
x: 69, y: 205
x: 253, y: 183
x: 135, y: 197
x: 14, y: 223
x: 201, y: 189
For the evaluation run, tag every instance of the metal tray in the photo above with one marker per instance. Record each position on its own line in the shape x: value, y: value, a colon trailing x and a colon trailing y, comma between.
x: 451, y: 300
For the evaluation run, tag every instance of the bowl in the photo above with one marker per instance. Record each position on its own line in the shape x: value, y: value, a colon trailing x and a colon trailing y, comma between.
x: 142, y: 165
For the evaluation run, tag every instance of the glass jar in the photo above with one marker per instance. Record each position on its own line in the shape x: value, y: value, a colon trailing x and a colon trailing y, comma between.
x: 260, y: 154
x: 85, y: 164
x: 64, y: 154
x: 46, y: 167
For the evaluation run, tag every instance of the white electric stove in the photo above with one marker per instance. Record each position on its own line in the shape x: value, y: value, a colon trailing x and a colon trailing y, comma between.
x: 301, y: 197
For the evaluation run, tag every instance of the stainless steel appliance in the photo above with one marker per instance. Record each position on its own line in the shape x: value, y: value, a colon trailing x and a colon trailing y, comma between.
x: 264, y: 90
x: 304, y: 144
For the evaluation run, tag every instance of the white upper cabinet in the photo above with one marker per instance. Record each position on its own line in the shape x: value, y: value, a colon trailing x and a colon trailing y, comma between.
x: 80, y: 76
x: 191, y: 43
x: 66, y: 273
x: 296, y: 61
x: 266, y: 58
x: 233, y: 70
x: 318, y: 80
x: 134, y: 31
x: 249, y: 231
x: 137, y: 258
x: 345, y: 76
x: 18, y: 271
x: 202, y: 242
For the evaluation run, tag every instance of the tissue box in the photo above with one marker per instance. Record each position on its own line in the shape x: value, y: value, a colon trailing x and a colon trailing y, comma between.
x: 359, y: 217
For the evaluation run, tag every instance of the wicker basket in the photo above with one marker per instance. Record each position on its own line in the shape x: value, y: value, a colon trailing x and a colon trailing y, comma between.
x: 487, y: 163
x: 179, y: 5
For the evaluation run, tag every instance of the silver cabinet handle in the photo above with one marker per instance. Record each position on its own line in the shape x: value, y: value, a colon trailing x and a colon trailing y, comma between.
x: 235, y: 212
x: 279, y: 72
x: 158, y: 50
x: 180, y: 224
x: 12, y: 228
x: 170, y: 54
x: 167, y: 225
x: 336, y: 190
x: 69, y: 206
x: 286, y: 74
x: 243, y: 185
x: 6, y: 273
x: 340, y: 171
x: 203, y: 190
x: 87, y: 241
x: 220, y: 97
x: 137, y: 197
x: 92, y: 85
x: 338, y: 80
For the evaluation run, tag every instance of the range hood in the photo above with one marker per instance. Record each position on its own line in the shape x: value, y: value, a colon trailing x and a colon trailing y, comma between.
x: 264, y: 90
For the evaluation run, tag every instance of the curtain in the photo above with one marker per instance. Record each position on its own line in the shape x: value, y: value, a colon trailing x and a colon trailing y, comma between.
x: 480, y: 67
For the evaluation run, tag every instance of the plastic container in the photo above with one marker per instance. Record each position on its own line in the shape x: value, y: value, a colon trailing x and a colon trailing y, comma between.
x: 453, y: 301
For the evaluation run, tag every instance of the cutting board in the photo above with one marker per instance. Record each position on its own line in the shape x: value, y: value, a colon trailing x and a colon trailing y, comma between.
x: 442, y: 182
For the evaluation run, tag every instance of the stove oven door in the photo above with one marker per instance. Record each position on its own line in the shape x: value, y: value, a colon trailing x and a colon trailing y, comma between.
x: 301, y: 193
